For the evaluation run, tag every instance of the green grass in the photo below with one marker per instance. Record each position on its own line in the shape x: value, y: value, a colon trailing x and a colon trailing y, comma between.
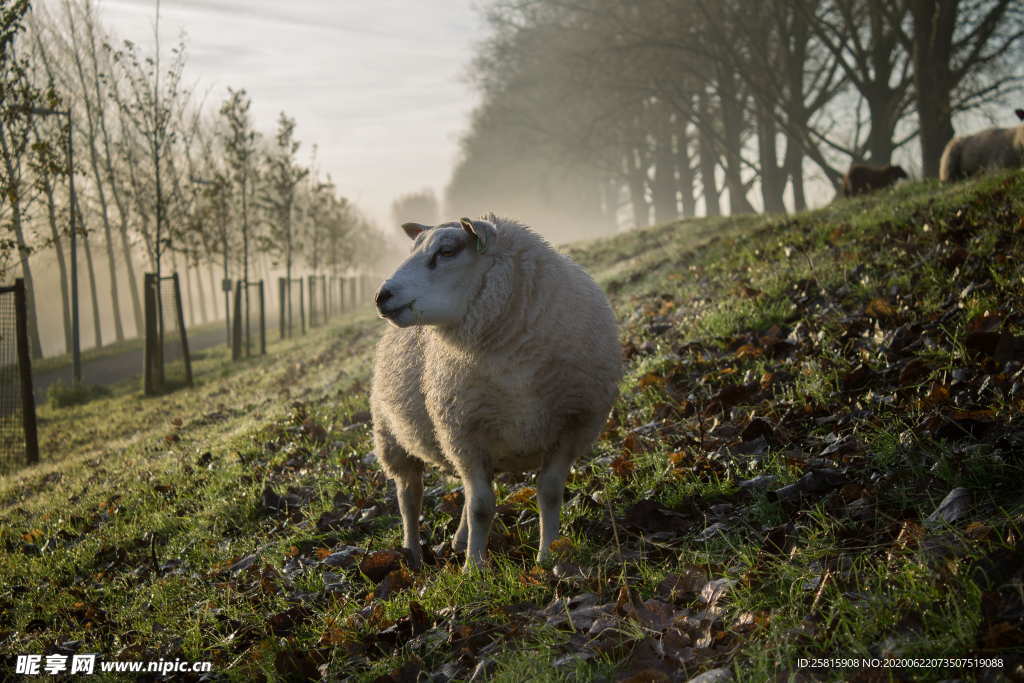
x: 61, y: 395
x: 856, y: 333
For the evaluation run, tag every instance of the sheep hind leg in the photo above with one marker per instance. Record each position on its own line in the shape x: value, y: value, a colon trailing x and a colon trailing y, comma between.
x: 550, y: 491
x: 479, y: 514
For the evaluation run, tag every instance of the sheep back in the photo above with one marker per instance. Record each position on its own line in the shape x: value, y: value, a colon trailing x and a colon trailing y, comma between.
x: 992, y: 148
x: 863, y: 178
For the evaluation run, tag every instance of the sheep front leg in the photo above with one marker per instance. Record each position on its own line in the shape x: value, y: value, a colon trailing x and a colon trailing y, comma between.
x: 478, y: 513
x: 407, y: 473
x: 462, y: 533
x: 410, y: 504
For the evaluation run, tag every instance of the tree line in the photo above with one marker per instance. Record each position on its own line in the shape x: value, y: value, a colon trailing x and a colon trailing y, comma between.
x: 659, y: 109
x: 162, y: 183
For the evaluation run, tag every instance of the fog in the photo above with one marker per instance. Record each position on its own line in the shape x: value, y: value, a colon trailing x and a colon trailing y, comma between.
x: 579, y: 120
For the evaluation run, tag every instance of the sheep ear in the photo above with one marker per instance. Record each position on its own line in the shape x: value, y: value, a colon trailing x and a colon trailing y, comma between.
x: 478, y: 231
x: 414, y: 229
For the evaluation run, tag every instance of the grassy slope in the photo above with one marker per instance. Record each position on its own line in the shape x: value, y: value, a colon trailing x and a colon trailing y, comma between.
x: 867, y: 350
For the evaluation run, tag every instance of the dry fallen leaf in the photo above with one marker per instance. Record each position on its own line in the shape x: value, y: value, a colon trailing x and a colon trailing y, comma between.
x: 879, y: 308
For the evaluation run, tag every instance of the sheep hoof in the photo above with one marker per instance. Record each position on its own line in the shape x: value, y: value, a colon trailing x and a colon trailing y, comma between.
x: 474, y: 564
x: 413, y: 558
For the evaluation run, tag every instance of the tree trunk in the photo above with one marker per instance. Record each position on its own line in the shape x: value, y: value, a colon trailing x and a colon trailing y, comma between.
x: 663, y: 187
x: 684, y: 168
x: 610, y: 205
x: 200, y: 293
x: 14, y: 202
x: 214, y: 292
x: 732, y: 104
x: 795, y: 169
x: 62, y: 268
x: 773, y: 176
x: 123, y: 217
x: 637, y: 189
x: 883, y: 125
x: 190, y: 309
x: 109, y: 242
x: 708, y: 168
x: 90, y: 119
x: 934, y: 22
x: 30, y: 288
x: 97, y: 326
x: 799, y: 32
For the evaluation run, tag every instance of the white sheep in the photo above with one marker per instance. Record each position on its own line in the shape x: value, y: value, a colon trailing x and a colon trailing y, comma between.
x: 503, y: 355
x: 991, y: 148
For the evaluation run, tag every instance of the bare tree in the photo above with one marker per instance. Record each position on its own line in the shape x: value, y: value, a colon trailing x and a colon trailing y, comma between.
x: 19, y: 94
x: 864, y: 38
x: 283, y: 177
x: 149, y: 101
x: 239, y: 141
x: 959, y: 49
x: 88, y: 94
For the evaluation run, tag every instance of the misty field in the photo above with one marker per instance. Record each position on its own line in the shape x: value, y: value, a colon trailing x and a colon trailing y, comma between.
x: 816, y: 455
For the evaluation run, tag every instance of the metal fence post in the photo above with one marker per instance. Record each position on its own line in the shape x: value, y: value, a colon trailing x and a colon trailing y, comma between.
x: 282, y: 305
x: 311, y: 292
x: 225, y: 286
x: 152, y: 365
x: 248, y: 325
x: 263, y: 323
x: 323, y: 291
x: 28, y: 400
x: 329, y: 293
x: 236, y: 337
x: 302, y: 304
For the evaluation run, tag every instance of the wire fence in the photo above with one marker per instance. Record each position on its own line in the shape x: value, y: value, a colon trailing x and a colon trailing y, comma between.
x: 292, y: 306
x: 18, y: 441
x: 167, y: 362
x: 177, y: 360
x: 349, y: 292
x: 317, y: 288
x: 310, y: 301
x: 250, y: 320
x: 302, y: 303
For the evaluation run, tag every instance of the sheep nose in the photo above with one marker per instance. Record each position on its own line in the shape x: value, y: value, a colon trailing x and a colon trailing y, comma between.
x: 383, y: 294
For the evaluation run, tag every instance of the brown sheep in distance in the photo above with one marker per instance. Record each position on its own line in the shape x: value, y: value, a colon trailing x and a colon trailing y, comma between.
x: 862, y: 178
x: 991, y: 148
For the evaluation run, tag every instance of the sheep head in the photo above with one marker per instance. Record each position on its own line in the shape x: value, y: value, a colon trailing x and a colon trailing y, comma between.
x: 435, y: 285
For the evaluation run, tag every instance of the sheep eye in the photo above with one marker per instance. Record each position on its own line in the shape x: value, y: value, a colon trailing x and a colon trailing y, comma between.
x: 447, y: 252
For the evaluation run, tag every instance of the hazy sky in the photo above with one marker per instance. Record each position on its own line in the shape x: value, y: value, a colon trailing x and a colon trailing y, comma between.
x: 378, y: 86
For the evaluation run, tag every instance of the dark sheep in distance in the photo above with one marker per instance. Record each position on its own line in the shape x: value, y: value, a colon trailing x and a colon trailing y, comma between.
x: 862, y: 178
x: 989, y: 149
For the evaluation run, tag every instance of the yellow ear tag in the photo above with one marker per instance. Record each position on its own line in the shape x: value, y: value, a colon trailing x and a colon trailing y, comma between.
x: 481, y: 242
